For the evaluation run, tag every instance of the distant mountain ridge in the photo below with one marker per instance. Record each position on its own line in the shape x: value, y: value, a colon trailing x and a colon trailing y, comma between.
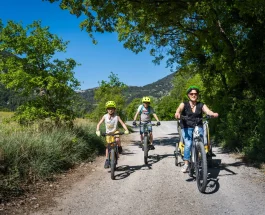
x: 157, y: 89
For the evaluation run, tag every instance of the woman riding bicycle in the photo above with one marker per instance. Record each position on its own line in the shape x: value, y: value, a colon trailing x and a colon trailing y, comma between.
x: 193, y: 109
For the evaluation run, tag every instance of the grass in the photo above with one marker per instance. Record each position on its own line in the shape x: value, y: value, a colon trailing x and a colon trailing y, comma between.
x: 34, y: 153
x: 5, y: 115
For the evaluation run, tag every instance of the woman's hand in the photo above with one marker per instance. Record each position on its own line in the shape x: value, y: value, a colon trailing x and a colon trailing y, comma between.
x: 177, y: 115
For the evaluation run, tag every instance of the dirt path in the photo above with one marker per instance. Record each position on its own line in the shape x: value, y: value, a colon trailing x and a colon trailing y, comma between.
x: 160, y: 187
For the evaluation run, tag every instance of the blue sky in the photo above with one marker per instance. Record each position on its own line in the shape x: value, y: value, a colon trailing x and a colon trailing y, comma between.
x: 97, y: 61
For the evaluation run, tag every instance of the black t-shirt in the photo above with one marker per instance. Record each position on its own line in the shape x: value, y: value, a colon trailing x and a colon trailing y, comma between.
x: 191, y: 122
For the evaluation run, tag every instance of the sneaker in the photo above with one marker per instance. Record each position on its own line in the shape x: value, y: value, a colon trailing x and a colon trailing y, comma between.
x: 140, y: 145
x: 106, y: 165
x: 151, y: 147
x: 185, y: 168
x: 119, y: 149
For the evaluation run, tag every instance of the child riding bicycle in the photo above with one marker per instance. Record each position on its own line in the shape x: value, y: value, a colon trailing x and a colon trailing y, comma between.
x: 193, y: 109
x: 145, y: 111
x: 111, y: 122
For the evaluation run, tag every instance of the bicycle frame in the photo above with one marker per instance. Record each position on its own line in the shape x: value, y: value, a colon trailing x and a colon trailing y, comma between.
x: 146, y: 139
x: 198, y: 160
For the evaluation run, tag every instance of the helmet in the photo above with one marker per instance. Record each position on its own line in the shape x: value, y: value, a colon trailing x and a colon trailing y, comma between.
x: 110, y: 104
x: 193, y: 87
x: 146, y: 99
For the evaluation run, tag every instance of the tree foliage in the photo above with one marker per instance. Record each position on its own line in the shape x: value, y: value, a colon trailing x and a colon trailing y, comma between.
x: 31, y: 69
x: 221, y: 40
x: 109, y: 91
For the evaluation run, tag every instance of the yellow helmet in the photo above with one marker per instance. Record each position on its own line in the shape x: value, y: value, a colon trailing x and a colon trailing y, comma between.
x: 146, y: 99
x: 110, y: 104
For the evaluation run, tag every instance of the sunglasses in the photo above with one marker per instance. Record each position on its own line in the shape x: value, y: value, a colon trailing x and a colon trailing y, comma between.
x: 193, y: 94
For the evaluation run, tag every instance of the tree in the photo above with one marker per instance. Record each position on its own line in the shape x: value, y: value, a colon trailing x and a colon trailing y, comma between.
x: 221, y: 40
x: 109, y: 91
x: 30, y: 70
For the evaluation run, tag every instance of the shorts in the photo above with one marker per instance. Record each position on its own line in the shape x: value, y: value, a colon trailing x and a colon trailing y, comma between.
x: 149, y: 127
x: 111, y: 139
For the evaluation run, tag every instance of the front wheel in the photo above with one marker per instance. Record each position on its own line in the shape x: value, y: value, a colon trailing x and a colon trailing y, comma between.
x: 112, y: 163
x: 201, y: 167
x: 145, y: 149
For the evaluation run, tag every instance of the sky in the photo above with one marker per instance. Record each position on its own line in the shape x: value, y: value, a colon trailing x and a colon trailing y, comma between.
x: 97, y: 61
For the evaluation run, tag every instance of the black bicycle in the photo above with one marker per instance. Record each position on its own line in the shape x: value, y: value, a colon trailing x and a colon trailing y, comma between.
x: 113, y: 153
x: 146, y: 140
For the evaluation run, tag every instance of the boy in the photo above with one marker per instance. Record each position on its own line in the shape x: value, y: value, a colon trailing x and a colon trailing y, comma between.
x: 111, y: 122
x: 146, y: 111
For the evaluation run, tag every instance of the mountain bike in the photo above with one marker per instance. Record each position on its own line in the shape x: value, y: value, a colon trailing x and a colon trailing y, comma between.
x: 179, y: 150
x: 113, y: 153
x: 198, y: 159
x: 146, y: 139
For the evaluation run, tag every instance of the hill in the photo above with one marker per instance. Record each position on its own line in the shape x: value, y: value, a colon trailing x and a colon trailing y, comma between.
x: 156, y: 89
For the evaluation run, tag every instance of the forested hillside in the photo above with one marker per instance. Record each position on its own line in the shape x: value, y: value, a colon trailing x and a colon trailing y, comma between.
x: 156, y: 89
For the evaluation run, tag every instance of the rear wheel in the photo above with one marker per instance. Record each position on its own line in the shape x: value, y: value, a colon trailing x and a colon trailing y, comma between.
x: 201, y: 167
x: 112, y: 163
x: 145, y: 149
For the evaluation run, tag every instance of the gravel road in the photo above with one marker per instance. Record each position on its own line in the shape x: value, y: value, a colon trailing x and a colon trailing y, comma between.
x: 160, y: 187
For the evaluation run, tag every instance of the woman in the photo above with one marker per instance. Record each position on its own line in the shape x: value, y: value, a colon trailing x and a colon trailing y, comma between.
x: 192, y: 109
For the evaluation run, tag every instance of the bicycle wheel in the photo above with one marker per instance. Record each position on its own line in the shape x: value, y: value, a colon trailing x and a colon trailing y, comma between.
x: 112, y: 163
x: 201, y: 166
x: 145, y: 149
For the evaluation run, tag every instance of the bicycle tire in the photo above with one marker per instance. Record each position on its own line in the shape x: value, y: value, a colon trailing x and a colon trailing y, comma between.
x: 112, y: 164
x: 145, y: 149
x: 201, y: 166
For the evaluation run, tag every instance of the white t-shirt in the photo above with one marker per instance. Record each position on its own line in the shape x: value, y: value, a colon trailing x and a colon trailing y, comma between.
x: 111, y: 123
x: 145, y: 113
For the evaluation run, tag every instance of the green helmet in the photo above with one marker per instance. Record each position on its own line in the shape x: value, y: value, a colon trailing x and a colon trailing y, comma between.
x: 193, y: 87
x: 110, y: 104
x: 146, y: 99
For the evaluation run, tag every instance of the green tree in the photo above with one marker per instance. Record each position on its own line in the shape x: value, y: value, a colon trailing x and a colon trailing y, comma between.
x: 31, y: 70
x: 109, y: 91
x: 132, y: 108
x: 221, y: 40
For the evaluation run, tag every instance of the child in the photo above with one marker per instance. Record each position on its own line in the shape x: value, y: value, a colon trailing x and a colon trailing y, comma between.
x: 111, y: 122
x: 145, y: 111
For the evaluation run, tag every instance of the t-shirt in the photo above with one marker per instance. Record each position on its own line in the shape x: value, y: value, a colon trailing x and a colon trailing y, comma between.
x: 145, y: 113
x: 111, y: 123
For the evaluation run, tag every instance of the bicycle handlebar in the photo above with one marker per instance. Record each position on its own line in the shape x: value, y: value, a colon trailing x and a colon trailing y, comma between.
x: 110, y: 134
x: 138, y: 125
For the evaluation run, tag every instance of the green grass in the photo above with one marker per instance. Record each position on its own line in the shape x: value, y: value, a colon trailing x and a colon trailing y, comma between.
x: 33, y: 153
x: 5, y: 115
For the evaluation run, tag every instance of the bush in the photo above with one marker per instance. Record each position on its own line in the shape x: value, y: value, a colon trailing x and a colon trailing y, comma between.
x: 33, y: 155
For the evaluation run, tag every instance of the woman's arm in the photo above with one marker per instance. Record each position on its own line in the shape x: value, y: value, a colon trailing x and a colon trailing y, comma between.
x: 206, y: 110
x: 179, y: 110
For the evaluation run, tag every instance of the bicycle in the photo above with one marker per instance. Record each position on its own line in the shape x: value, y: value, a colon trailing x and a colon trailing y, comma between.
x: 113, y: 153
x: 146, y: 140
x: 179, y: 151
x: 198, y: 159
